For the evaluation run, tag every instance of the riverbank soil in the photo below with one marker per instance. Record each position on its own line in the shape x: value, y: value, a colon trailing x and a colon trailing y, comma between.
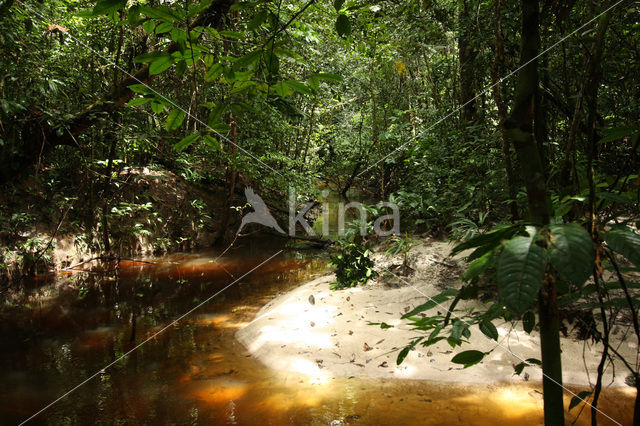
x: 326, y: 333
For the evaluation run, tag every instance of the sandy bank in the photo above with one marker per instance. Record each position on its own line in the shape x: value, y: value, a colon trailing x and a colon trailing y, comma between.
x: 332, y: 336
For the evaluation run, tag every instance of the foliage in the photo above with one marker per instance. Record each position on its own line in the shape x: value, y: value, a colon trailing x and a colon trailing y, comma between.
x: 353, y: 262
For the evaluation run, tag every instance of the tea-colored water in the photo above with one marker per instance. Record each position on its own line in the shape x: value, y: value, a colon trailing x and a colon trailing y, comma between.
x: 65, y: 328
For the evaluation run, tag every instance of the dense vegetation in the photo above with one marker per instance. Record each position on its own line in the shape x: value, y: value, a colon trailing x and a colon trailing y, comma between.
x: 509, y: 125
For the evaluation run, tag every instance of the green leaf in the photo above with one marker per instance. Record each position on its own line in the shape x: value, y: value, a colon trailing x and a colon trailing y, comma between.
x: 325, y: 76
x: 162, y: 13
x: 258, y: 20
x: 107, y: 6
x: 486, y: 242
x: 343, y: 26
x: 298, y: 87
x: 615, y: 198
x: 186, y: 141
x: 468, y: 358
x: 489, y: 330
x: 175, y: 119
x: 480, y: 265
x: 247, y: 60
x: 432, y: 302
x: 403, y: 354
x: 138, y: 101
x: 165, y: 27
x: 213, y: 72
x: 520, y: 273
x: 148, y: 57
x: 577, y: 399
x: 528, y: 321
x: 211, y: 141
x: 157, y: 107
x: 571, y: 252
x: 618, y: 133
x: 160, y: 64
x: 141, y: 88
x: 625, y: 242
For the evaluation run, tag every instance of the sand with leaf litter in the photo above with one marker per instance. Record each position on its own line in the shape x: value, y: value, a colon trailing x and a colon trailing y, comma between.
x: 322, y: 333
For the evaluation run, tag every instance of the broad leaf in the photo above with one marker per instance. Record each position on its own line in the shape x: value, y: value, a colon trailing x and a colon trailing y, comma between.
x: 434, y: 301
x: 160, y: 64
x: 520, y: 273
x: 186, y: 141
x: 489, y: 330
x: 571, y: 252
x: 299, y: 87
x: 468, y: 358
x: 577, y: 399
x: 625, y: 242
x: 343, y: 26
x: 528, y: 321
x: 107, y: 6
x: 138, y: 101
x: 175, y: 119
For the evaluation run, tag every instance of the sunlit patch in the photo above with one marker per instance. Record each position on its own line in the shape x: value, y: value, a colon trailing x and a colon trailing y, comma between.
x: 316, y: 375
x: 301, y: 336
x: 405, y: 370
x: 512, y: 402
x: 218, y: 321
x: 220, y: 391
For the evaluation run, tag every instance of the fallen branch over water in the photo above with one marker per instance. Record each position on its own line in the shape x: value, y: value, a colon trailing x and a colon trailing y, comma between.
x: 106, y: 259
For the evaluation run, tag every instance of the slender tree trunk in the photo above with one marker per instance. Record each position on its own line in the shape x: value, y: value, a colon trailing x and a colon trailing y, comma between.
x: 106, y: 193
x: 374, y: 119
x: 520, y: 130
x: 498, y: 60
x: 466, y: 54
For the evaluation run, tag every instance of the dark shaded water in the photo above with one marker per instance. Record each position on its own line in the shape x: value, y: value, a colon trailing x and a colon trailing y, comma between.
x: 67, y: 327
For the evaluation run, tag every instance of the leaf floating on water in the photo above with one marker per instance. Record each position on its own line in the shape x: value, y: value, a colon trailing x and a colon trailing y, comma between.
x: 350, y: 332
x: 348, y: 298
x: 313, y: 324
x: 367, y: 347
x: 384, y: 364
x: 380, y: 342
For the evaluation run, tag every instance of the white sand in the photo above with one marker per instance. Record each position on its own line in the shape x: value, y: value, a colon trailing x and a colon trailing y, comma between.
x: 329, y: 337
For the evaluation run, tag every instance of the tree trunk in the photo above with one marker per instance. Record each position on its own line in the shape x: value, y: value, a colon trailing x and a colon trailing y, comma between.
x: 466, y: 54
x: 498, y: 60
x: 520, y: 131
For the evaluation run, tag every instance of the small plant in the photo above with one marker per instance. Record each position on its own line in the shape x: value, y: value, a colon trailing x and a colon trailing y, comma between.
x: 353, y: 263
x: 402, y: 245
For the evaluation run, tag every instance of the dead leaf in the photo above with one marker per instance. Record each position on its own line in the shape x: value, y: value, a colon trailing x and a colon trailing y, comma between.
x: 384, y: 364
x: 313, y: 324
x: 367, y: 347
x: 380, y: 342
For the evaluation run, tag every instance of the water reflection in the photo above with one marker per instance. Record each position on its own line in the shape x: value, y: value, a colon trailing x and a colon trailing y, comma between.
x: 65, y: 328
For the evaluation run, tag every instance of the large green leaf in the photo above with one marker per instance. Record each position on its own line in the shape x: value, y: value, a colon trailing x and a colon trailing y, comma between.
x: 175, y: 119
x: 299, y: 87
x: 160, y: 64
x: 486, y: 242
x: 625, y: 242
x: 520, y: 273
x: 343, y: 26
x: 106, y: 6
x: 468, y: 358
x: 432, y: 302
x: 571, y: 252
x: 186, y: 141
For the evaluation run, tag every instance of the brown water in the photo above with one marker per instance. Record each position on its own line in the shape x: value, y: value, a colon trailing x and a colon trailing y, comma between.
x: 65, y: 328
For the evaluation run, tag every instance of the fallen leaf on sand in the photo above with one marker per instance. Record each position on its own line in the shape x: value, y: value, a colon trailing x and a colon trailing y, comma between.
x: 380, y: 342
x: 384, y: 364
x: 367, y: 347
